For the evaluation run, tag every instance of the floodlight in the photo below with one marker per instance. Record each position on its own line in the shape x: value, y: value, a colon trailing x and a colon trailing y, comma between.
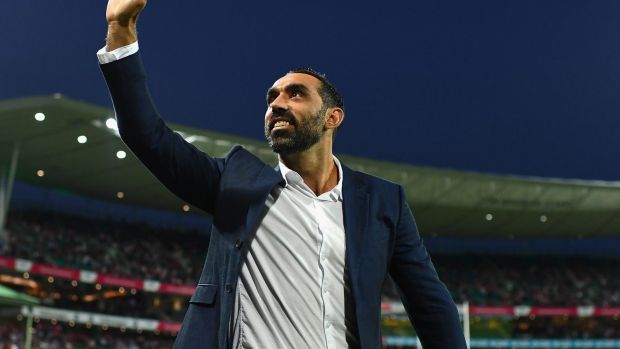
x: 121, y: 154
x: 111, y: 124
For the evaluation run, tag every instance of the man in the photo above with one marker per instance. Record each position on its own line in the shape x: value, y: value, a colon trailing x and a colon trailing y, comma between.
x: 298, y: 255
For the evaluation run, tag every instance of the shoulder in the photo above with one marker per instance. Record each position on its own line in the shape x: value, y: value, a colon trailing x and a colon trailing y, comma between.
x: 244, y: 168
x: 384, y: 198
x: 239, y: 156
x: 372, y: 184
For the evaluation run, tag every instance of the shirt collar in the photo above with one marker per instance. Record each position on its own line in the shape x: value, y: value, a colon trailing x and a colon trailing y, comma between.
x: 293, y: 178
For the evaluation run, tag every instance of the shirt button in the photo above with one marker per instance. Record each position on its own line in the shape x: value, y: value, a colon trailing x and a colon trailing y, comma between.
x: 329, y: 324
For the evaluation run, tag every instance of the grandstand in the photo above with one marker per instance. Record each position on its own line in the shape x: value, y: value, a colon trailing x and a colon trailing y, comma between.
x: 531, y: 261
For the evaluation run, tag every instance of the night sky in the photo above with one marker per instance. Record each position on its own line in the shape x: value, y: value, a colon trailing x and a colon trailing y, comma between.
x: 512, y: 87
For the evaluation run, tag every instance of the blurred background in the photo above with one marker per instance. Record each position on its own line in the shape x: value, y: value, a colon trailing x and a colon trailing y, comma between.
x: 500, y: 119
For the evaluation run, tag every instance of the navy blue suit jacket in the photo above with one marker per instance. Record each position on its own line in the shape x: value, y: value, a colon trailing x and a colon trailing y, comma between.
x: 381, y: 235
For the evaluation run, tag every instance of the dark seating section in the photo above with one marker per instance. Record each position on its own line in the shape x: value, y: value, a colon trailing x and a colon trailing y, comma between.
x: 495, y: 280
x: 141, y: 251
x: 62, y: 336
x: 106, y: 246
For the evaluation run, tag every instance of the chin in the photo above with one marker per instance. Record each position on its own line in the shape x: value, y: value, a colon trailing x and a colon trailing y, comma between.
x: 283, y: 146
x: 281, y: 149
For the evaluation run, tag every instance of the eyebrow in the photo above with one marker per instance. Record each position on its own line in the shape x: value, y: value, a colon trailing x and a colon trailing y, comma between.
x: 273, y: 91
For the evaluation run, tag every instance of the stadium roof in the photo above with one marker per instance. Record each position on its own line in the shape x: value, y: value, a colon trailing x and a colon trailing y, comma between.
x: 445, y: 202
x: 11, y: 297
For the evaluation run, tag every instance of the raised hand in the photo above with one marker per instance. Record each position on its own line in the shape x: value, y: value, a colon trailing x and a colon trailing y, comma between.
x: 124, y: 12
x: 122, y: 16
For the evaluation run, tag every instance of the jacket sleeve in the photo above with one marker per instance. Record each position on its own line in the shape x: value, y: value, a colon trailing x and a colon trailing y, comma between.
x: 186, y: 171
x: 426, y: 299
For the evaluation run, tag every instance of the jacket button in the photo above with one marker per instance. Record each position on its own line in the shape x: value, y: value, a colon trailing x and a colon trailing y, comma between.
x: 238, y: 243
x: 228, y: 288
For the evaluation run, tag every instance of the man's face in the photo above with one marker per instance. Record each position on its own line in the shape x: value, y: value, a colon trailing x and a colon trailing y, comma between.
x: 295, y: 115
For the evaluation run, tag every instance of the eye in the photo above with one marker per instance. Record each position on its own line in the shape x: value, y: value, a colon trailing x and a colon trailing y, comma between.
x: 296, y: 93
x: 270, y: 98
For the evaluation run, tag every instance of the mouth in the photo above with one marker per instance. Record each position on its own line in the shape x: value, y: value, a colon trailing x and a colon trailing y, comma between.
x: 279, y: 124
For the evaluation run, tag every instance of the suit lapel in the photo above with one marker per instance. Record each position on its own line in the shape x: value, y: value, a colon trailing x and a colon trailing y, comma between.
x: 265, y: 181
x: 355, y: 210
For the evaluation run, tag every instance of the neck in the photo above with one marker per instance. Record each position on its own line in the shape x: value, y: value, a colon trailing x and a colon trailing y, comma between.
x: 315, y: 165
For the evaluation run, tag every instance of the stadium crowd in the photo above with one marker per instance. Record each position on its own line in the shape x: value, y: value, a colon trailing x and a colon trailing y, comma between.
x: 143, y: 252
x: 532, y: 280
x: 140, y: 251
x: 108, y: 247
x: 566, y: 327
x: 61, y: 336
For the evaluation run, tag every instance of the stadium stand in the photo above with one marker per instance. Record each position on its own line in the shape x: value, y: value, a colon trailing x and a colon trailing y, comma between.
x: 176, y: 257
x: 95, y: 269
x: 107, y: 247
x: 566, y: 327
x: 65, y: 241
x: 49, y: 335
x: 529, y: 280
x: 80, y: 296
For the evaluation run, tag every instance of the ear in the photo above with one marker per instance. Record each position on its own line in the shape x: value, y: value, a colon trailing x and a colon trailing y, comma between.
x: 334, y: 117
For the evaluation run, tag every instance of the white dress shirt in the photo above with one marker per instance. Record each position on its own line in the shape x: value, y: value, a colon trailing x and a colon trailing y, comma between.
x: 292, y: 291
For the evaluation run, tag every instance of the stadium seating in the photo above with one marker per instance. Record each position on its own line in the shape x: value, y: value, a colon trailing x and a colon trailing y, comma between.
x: 148, y: 254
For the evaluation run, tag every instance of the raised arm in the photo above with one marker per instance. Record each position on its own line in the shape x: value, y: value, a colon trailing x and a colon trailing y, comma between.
x: 186, y: 171
x: 122, y: 16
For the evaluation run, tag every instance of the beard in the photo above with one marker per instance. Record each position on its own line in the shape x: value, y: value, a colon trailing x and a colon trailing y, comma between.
x: 305, y: 133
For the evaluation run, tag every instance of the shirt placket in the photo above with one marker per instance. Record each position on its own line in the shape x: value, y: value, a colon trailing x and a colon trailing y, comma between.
x: 324, y: 256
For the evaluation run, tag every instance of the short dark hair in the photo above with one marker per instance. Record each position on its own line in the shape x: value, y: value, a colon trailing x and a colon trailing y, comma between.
x: 330, y: 96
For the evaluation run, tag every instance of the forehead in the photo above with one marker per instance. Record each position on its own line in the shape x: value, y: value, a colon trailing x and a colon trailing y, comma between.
x: 297, y: 78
